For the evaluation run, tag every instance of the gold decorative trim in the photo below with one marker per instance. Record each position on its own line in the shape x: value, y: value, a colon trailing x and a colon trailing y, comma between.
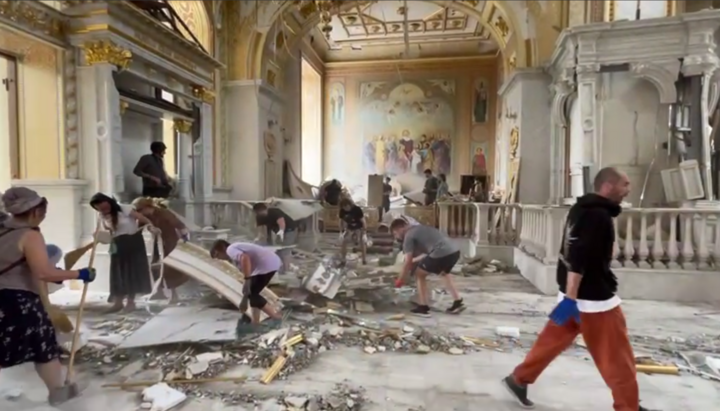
x: 203, y: 94
x: 611, y: 10
x: 670, y: 8
x: 30, y: 15
x: 182, y: 126
x: 123, y: 107
x: 514, y: 142
x: 106, y: 52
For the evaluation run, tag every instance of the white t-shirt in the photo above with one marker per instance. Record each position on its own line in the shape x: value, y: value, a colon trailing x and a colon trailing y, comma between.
x: 126, y: 224
x: 262, y: 260
x: 587, y: 306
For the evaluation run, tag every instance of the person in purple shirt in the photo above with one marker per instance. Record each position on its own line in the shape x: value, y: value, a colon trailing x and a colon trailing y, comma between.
x: 258, y: 264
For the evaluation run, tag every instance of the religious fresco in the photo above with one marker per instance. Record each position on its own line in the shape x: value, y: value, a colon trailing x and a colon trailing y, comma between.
x: 481, y: 101
x: 337, y: 103
x: 407, y: 127
x: 479, y: 158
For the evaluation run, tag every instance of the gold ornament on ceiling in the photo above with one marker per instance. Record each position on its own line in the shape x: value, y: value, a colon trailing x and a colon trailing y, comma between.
x: 326, y: 8
x: 104, y: 51
x: 502, y: 26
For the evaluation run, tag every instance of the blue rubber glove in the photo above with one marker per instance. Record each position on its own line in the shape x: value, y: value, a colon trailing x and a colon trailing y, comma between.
x: 566, y: 310
x: 87, y: 275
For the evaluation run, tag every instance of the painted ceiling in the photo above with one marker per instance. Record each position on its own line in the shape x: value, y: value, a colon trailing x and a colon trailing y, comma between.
x: 378, y: 31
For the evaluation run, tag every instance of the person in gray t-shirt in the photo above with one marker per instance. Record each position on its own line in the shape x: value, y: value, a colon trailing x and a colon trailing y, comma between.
x: 441, y: 255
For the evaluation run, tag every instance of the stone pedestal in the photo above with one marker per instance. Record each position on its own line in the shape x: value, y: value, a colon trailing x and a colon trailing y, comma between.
x: 526, y: 94
x: 252, y: 110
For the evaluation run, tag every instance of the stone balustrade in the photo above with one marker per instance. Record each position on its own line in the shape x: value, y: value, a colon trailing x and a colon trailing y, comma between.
x: 645, y: 238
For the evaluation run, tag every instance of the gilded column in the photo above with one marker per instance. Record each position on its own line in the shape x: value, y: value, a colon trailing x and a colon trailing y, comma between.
x: 204, y: 145
x: 184, y: 147
x: 99, y: 115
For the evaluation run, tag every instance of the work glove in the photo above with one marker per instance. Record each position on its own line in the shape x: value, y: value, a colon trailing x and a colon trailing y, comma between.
x: 87, y: 275
x: 565, y: 311
x: 281, y: 235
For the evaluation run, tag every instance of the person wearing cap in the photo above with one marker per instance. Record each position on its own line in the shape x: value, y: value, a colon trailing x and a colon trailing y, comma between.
x: 151, y: 168
x: 172, y: 230
x: 26, y: 332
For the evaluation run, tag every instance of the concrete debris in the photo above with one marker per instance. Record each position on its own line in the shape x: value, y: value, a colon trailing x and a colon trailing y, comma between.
x: 510, y: 332
x: 479, y: 266
x: 161, y: 397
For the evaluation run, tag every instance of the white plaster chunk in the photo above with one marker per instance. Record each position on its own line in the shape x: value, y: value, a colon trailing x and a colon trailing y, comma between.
x: 512, y: 332
x: 162, y: 397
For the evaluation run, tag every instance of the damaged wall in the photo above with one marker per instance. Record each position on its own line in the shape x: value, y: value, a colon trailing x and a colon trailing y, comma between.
x: 399, y: 119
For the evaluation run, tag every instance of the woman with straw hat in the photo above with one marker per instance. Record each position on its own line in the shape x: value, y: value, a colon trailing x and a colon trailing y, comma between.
x: 26, y: 332
x: 172, y: 230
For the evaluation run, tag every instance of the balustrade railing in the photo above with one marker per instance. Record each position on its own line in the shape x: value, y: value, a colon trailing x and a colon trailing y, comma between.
x: 645, y: 238
x: 484, y: 223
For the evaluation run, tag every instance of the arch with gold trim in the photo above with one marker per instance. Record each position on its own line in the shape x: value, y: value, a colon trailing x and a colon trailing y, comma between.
x: 248, y: 53
x: 198, y: 18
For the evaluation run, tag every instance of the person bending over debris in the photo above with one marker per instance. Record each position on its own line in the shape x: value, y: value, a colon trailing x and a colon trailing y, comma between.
x: 353, y: 229
x: 441, y: 257
x: 587, y: 302
x: 258, y: 265
x: 274, y: 220
x: 26, y: 330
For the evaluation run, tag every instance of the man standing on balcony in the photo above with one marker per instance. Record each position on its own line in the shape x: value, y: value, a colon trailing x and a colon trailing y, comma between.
x: 587, y: 302
x: 151, y: 169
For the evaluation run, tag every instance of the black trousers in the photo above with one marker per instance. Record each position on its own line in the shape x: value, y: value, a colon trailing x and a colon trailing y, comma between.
x: 156, y: 192
x: 254, y: 286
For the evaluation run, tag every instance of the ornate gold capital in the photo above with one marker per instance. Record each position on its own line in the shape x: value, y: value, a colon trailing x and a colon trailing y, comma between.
x: 514, y: 141
x: 183, y: 126
x: 123, y: 107
x: 203, y: 94
x: 103, y: 51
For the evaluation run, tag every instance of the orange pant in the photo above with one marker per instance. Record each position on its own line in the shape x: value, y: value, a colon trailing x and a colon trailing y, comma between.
x: 606, y: 337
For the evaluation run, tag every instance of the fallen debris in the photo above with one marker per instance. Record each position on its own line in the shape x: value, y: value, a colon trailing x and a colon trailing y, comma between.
x: 160, y: 397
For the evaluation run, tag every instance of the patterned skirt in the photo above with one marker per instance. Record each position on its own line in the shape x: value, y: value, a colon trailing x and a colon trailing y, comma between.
x: 26, y: 333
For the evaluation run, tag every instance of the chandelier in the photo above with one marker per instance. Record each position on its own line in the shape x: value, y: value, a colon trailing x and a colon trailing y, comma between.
x: 326, y: 8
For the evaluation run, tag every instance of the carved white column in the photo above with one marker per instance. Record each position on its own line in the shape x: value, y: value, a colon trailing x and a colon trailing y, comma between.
x: 99, y: 112
x: 588, y: 78
x: 560, y: 91
x: 184, y: 147
x: 206, y: 139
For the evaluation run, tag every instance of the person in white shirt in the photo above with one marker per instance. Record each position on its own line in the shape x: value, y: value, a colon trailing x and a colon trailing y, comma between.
x: 258, y: 265
x: 129, y: 265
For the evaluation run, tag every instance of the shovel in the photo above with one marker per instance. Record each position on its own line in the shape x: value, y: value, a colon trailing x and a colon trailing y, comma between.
x: 70, y: 389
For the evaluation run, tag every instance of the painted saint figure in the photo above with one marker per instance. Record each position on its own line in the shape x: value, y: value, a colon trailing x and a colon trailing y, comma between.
x: 481, y: 104
x: 479, y: 162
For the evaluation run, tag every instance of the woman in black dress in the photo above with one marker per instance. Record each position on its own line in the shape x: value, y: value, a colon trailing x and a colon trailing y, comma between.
x: 129, y: 266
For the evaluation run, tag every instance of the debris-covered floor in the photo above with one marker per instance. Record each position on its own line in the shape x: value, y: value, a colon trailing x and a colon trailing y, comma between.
x: 360, y: 350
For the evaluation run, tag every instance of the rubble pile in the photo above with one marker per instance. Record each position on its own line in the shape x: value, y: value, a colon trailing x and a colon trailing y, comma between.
x: 480, y: 266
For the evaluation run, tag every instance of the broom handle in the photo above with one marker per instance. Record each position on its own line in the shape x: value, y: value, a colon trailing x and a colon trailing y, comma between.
x: 78, y: 319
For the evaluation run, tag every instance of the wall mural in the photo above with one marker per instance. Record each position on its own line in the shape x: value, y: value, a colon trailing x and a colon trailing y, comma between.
x: 337, y: 103
x: 479, y: 152
x: 481, y: 103
x: 407, y: 127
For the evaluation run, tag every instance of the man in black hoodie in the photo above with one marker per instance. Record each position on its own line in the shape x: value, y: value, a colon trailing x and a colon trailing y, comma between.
x: 587, y: 301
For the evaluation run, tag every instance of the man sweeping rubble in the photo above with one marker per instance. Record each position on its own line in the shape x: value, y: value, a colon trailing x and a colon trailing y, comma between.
x: 354, y: 228
x: 440, y: 256
x: 587, y: 301
x: 272, y: 220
